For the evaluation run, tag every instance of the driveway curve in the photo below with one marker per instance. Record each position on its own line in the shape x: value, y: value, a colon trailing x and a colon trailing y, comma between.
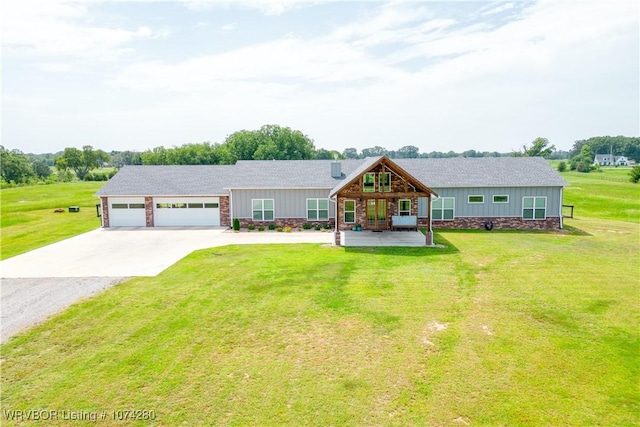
x: 42, y: 282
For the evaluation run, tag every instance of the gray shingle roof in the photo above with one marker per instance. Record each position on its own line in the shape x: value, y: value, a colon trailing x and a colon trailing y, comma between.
x: 169, y: 181
x: 288, y: 173
x: 483, y: 172
x: 218, y: 179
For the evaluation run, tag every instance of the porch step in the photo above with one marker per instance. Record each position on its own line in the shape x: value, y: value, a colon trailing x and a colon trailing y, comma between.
x: 386, y: 238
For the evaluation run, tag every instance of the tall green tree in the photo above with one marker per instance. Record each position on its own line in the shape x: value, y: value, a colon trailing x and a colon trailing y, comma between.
x: 83, y: 161
x: 270, y: 142
x: 374, y: 151
x: 41, y: 169
x: 15, y: 166
x: 617, y: 145
x: 584, y: 161
x: 350, y: 153
x: 408, y: 152
x: 540, y: 147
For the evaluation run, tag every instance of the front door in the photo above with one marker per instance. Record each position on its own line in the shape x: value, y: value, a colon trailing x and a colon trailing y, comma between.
x: 377, y: 214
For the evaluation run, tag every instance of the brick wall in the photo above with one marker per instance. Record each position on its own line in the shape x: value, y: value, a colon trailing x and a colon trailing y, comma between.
x: 225, y: 215
x: 148, y: 210
x: 512, y: 223
x: 105, y: 211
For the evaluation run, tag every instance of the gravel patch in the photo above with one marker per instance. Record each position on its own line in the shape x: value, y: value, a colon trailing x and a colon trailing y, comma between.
x: 29, y: 301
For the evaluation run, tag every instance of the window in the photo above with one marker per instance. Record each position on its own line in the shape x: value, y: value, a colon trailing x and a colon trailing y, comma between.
x: 262, y: 209
x: 349, y: 211
x: 404, y: 207
x: 385, y: 181
x: 369, y: 182
x: 163, y: 205
x: 476, y: 199
x: 210, y: 205
x: 318, y: 209
x: 119, y: 206
x: 179, y: 205
x: 443, y: 208
x: 534, y: 207
x: 500, y: 199
x: 194, y: 205
x: 136, y: 205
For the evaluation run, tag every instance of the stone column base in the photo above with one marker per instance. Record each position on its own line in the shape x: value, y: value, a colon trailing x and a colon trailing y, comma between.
x: 429, y: 238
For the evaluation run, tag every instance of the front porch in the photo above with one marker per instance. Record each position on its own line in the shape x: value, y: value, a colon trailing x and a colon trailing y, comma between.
x: 382, y: 238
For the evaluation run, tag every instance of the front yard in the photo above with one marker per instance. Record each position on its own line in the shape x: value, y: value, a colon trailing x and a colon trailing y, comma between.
x: 500, y: 328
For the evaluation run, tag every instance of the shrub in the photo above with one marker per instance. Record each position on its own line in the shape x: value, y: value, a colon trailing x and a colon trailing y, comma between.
x: 635, y: 174
x: 306, y: 226
x: 327, y: 226
x: 287, y: 229
x: 317, y: 227
x: 562, y: 166
x: 272, y: 227
x: 260, y: 228
x: 251, y: 227
x: 236, y: 224
x: 584, y: 167
x: 279, y: 229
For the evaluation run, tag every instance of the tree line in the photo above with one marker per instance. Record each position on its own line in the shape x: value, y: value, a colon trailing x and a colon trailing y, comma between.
x: 270, y: 142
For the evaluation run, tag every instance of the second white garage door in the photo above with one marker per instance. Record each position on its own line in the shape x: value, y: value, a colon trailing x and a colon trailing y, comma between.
x: 186, y: 211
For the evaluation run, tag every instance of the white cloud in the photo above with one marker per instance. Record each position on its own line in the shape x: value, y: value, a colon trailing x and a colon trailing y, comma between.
x: 267, y: 7
x: 229, y: 27
x: 404, y: 73
x: 57, y: 28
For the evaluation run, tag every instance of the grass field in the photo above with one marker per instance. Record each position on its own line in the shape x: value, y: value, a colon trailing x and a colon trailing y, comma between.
x: 605, y: 194
x: 498, y: 328
x: 27, y: 220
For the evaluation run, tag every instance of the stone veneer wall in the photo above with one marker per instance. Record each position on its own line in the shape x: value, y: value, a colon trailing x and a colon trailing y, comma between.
x: 361, y: 211
x: 105, y: 211
x: 148, y: 210
x: 513, y: 223
x: 225, y: 220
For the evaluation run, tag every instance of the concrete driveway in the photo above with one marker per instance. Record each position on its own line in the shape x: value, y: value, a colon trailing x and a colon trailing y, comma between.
x: 121, y: 252
x: 45, y: 281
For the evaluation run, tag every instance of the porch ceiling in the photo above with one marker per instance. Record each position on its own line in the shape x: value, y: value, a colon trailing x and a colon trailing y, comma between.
x: 384, y: 238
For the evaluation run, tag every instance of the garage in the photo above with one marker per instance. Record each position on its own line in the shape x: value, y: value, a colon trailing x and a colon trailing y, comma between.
x: 186, y: 211
x: 126, y: 212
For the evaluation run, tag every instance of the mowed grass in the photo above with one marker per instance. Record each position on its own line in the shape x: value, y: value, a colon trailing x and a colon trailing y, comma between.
x: 27, y: 220
x: 606, y: 194
x: 498, y: 328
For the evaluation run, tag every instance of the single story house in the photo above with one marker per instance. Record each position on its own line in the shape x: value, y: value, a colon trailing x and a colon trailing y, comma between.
x: 610, y: 160
x: 375, y: 193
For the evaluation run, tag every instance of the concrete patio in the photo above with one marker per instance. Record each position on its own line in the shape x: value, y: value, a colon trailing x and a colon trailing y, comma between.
x: 384, y: 238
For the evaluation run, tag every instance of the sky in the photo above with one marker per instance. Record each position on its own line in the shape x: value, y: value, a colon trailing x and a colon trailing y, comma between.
x: 439, y: 75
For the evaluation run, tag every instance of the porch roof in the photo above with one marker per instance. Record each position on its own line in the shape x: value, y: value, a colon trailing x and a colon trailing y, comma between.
x: 371, y: 162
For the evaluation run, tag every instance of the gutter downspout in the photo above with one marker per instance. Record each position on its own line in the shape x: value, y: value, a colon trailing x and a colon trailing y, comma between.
x: 561, y: 201
x: 335, y: 219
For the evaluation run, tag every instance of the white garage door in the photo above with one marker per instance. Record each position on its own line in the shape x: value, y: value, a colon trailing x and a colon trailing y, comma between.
x: 186, y: 211
x: 126, y: 212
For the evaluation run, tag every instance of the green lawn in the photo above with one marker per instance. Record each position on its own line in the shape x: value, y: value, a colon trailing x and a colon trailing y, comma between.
x: 27, y: 220
x: 500, y: 328
x: 606, y: 194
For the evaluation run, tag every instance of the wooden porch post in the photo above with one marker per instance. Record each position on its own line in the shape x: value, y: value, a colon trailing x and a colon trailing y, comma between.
x: 429, y: 233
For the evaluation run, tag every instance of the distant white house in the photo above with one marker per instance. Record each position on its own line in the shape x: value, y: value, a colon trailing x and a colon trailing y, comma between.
x: 610, y: 160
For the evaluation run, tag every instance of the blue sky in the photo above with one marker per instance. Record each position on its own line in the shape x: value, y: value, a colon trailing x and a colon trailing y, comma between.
x: 451, y: 75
